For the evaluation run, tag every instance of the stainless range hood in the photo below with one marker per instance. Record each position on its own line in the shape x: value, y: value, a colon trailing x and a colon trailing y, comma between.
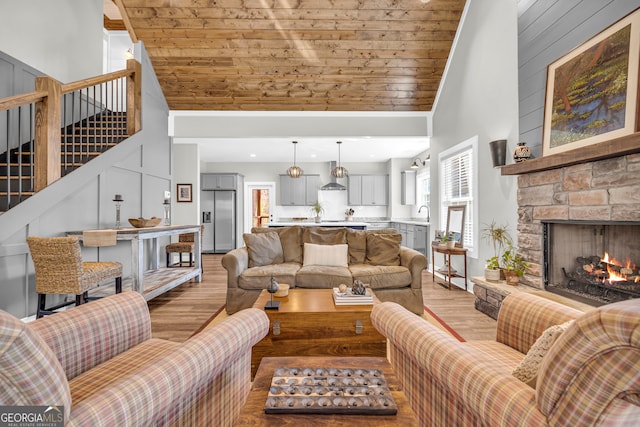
x: 332, y: 184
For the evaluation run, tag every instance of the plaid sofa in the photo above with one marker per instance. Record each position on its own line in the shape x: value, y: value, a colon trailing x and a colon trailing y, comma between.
x: 98, y: 360
x: 589, y: 377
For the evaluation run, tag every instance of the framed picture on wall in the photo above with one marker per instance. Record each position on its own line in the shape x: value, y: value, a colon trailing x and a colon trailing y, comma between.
x: 184, y: 193
x: 592, y: 91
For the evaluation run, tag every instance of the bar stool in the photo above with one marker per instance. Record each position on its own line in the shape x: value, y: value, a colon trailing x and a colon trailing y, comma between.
x: 185, y: 244
x: 60, y: 270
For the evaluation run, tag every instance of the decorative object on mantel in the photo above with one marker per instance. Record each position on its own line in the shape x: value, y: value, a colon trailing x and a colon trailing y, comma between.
x: 498, y: 152
x: 592, y: 91
x: 117, y: 199
x: 339, y: 171
x: 521, y: 153
x: 294, y: 171
x: 143, y: 223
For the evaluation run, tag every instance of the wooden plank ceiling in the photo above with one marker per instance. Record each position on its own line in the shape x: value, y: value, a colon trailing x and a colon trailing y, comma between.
x: 296, y: 55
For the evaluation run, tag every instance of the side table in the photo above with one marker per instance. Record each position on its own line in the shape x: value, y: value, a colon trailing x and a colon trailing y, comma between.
x: 447, y: 252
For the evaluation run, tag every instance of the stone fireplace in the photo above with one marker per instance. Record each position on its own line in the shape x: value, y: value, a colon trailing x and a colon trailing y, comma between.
x: 602, y: 196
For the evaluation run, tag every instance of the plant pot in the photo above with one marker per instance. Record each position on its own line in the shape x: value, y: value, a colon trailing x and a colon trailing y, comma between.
x: 512, y: 278
x: 318, y: 219
x: 498, y: 152
x: 451, y: 244
x: 492, y: 275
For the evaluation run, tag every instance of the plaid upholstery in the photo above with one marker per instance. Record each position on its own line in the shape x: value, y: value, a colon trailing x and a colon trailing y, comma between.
x: 90, y: 334
x: 449, y: 383
x: 150, y: 382
x: 29, y: 371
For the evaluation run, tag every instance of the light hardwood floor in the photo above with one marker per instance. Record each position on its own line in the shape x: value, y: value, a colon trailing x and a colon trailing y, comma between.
x: 177, y: 314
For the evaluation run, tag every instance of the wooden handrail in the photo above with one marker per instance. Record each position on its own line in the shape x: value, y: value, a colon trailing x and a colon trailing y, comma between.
x: 22, y: 99
x: 92, y: 81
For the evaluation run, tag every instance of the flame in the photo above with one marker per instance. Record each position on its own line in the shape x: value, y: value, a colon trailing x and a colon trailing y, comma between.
x: 617, y: 276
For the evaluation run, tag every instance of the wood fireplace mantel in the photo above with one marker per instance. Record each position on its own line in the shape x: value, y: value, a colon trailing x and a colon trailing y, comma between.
x: 622, y: 146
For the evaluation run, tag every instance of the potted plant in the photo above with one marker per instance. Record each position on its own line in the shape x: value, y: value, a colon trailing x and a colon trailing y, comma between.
x: 318, y: 209
x: 499, y: 237
x: 513, y: 264
x: 448, y: 241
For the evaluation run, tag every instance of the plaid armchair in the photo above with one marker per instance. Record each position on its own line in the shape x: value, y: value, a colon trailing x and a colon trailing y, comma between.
x: 99, y: 361
x: 589, y: 377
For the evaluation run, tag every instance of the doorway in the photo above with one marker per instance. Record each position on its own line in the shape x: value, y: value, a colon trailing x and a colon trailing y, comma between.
x: 260, y: 200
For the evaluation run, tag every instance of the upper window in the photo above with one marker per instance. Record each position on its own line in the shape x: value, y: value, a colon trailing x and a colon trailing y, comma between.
x: 458, y: 180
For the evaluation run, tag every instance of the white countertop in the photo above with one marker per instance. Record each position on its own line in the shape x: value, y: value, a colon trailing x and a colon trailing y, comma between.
x: 319, y: 224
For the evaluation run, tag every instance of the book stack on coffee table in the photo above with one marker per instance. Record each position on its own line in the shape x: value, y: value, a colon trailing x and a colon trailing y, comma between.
x: 349, y: 298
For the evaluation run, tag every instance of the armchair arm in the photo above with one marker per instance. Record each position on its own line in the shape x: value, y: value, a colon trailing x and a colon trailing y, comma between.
x: 524, y: 317
x: 217, y: 360
x: 235, y: 262
x: 448, y: 382
x: 415, y: 262
x: 90, y: 334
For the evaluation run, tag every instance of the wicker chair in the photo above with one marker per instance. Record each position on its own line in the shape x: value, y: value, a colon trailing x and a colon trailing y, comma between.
x: 184, y: 245
x: 60, y: 270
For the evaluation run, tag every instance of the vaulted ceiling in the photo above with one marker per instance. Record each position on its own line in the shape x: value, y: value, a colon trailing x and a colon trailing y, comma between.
x: 296, y: 55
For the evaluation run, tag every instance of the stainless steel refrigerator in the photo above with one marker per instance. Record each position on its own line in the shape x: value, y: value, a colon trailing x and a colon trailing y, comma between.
x: 219, y: 220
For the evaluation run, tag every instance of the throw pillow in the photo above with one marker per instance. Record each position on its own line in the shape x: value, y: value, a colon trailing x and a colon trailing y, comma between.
x: 357, y: 241
x: 325, y: 236
x: 383, y: 249
x: 527, y: 370
x: 263, y: 248
x: 290, y: 238
x: 327, y: 255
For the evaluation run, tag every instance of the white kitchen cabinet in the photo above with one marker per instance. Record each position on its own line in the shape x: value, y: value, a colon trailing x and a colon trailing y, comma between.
x: 301, y: 191
x: 408, y: 187
x: 219, y: 181
x: 368, y: 190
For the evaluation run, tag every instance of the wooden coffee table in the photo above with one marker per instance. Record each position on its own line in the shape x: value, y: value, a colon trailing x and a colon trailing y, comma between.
x: 308, y: 323
x: 253, y: 411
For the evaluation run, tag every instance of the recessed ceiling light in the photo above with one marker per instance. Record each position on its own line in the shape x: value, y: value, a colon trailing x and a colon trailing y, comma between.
x: 313, y: 156
x: 252, y: 155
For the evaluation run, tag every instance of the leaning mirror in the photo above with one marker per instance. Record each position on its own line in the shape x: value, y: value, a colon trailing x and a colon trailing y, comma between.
x: 455, y: 224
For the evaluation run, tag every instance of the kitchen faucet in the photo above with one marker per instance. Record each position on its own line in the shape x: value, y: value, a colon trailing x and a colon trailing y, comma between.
x: 428, y: 211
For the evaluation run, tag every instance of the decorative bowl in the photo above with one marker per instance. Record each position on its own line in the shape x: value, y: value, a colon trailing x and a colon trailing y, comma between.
x: 142, y: 223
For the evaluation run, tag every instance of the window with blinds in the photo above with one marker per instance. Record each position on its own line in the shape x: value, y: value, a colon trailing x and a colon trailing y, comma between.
x: 457, y: 186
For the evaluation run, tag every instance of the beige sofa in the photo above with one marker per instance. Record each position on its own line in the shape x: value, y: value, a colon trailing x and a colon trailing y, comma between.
x: 98, y: 365
x: 299, y: 257
x: 588, y: 376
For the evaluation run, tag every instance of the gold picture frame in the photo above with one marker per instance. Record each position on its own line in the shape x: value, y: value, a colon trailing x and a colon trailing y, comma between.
x: 592, y: 92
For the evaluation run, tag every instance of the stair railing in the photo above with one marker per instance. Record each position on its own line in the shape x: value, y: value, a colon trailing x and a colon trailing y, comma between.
x: 58, y: 127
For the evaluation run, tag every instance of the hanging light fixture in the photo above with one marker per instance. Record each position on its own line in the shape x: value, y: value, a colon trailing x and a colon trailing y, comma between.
x: 339, y: 171
x: 294, y: 171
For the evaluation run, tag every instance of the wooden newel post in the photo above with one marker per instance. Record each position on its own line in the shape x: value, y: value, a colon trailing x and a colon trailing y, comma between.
x: 134, y: 97
x: 47, y: 134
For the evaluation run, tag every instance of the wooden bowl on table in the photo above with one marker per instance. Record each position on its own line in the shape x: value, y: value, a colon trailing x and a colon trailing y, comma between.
x: 142, y: 222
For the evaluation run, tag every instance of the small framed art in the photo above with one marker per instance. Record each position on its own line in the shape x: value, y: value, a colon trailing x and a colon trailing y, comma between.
x: 184, y: 193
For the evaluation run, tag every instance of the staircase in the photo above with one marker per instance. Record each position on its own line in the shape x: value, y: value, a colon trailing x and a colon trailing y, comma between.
x: 80, y: 142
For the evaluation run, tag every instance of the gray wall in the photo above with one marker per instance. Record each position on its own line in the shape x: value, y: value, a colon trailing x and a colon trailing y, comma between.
x: 546, y: 31
x: 138, y: 168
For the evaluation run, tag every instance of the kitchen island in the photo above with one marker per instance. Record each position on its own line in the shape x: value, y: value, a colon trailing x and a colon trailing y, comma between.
x: 356, y: 225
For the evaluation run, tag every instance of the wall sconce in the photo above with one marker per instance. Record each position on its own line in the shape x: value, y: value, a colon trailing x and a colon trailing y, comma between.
x: 417, y: 163
x: 128, y: 54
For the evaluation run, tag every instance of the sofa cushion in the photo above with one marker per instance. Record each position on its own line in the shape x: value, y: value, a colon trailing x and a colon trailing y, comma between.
x: 325, y: 236
x: 29, y: 370
x: 263, y: 248
x: 322, y: 277
x: 290, y: 238
x: 357, y: 241
x: 383, y: 249
x: 527, y: 370
x: 260, y: 277
x: 381, y: 276
x: 326, y: 255
x: 127, y: 364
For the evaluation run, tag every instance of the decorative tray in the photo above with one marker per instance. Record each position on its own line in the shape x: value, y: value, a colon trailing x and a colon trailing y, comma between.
x: 329, y: 391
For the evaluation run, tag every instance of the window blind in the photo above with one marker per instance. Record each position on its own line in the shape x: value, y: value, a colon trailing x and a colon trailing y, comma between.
x: 456, y: 188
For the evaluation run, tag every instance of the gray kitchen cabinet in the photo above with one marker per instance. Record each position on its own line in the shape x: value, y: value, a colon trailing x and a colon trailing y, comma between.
x: 408, y: 187
x: 218, y: 181
x: 368, y: 190
x: 301, y: 191
x: 420, y: 239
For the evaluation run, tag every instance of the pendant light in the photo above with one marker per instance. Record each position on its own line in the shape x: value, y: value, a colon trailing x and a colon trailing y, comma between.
x: 339, y: 171
x: 294, y: 171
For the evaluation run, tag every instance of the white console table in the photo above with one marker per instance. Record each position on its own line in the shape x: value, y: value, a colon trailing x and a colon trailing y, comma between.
x: 155, y: 281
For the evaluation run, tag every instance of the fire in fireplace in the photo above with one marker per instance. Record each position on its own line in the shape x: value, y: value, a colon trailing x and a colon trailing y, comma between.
x: 573, y: 268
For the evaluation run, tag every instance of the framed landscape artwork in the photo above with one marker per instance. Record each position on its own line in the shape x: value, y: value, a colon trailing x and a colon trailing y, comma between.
x: 184, y: 193
x: 592, y: 92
